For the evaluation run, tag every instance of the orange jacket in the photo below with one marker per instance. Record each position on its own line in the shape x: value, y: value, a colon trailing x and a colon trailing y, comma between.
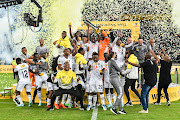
x: 102, y: 46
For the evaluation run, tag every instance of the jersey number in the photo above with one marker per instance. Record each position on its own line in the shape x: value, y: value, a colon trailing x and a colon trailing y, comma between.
x: 25, y: 74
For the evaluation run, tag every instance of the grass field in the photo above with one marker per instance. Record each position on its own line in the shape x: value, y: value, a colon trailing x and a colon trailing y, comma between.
x: 8, y: 110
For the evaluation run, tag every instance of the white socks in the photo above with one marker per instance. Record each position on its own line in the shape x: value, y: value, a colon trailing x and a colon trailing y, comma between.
x: 19, y: 99
x: 48, y: 101
x: 57, y: 100
x: 29, y: 97
x: 102, y: 99
x: 69, y: 99
x: 39, y: 96
x: 64, y: 98
x: 108, y: 96
x: 90, y: 100
x: 94, y: 100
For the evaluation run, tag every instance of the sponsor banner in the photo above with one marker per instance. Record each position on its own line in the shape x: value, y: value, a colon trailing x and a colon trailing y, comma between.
x: 134, y: 26
x: 6, y: 69
x: 24, y: 96
x: 174, y: 95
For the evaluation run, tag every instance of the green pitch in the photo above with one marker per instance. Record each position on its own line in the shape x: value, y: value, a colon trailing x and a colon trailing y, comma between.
x: 8, y: 110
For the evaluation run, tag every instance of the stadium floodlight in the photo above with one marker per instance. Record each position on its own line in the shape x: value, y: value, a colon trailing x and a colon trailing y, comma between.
x: 6, y: 3
x: 28, y: 17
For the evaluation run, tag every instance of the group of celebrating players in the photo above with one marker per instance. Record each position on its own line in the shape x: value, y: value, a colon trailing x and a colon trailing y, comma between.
x: 82, y: 65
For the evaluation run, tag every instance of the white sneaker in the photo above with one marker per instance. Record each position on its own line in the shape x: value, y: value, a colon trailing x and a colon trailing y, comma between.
x: 156, y: 103
x: 168, y: 103
x: 143, y: 111
x: 88, y: 107
x: 104, y: 107
x: 40, y: 104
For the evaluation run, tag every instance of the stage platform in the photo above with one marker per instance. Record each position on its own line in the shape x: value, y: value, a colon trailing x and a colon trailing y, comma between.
x: 173, y: 90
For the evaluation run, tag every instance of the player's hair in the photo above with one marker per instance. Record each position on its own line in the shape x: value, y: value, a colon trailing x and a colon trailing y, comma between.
x: 23, y: 48
x: 18, y: 60
x: 69, y: 49
x: 131, y: 52
x: 66, y: 62
x: 148, y: 55
x: 105, y: 54
x: 35, y: 54
x: 65, y: 49
x: 64, y: 31
x: 95, y: 53
x: 80, y: 49
x: 14, y: 58
x: 110, y: 55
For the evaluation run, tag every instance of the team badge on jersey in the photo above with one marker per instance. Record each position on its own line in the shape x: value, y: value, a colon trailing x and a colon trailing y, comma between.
x: 22, y: 66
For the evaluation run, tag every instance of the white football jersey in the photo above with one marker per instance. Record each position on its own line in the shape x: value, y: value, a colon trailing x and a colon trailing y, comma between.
x: 93, y: 47
x: 62, y: 60
x: 23, y: 72
x: 96, y: 67
x: 120, y: 51
x: 84, y: 46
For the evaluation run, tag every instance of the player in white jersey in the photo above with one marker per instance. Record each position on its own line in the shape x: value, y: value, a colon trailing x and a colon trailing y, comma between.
x: 24, y: 82
x: 93, y: 47
x: 85, y: 46
x: 40, y: 74
x: 107, y: 85
x: 95, y: 82
x: 67, y: 57
x: 120, y: 51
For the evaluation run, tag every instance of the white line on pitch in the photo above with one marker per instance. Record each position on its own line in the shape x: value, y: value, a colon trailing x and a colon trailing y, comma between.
x: 94, y: 114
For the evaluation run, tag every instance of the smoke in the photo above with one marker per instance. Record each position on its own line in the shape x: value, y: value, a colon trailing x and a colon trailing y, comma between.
x: 56, y: 17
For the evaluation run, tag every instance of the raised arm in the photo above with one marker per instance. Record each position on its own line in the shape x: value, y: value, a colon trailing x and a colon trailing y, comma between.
x: 133, y: 64
x: 154, y: 55
x: 70, y: 31
x: 112, y: 35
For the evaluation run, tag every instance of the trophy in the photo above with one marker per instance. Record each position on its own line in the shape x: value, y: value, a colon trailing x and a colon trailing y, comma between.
x: 93, y: 26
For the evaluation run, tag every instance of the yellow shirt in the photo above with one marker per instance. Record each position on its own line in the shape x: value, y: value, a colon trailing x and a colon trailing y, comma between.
x: 133, y: 59
x: 64, y: 42
x: 80, y: 58
x: 66, y: 78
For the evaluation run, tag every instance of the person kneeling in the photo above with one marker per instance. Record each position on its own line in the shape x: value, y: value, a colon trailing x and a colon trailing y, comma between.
x: 65, y: 79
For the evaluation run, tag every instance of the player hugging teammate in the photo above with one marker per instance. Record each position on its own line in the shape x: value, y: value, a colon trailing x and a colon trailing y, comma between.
x: 86, y: 64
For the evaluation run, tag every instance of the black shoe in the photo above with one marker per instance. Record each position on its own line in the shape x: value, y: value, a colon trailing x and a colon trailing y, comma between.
x: 50, y: 109
x: 122, y: 112
x: 128, y: 104
x: 114, y: 111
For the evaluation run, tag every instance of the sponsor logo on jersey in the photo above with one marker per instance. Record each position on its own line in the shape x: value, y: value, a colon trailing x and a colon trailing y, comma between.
x: 22, y: 66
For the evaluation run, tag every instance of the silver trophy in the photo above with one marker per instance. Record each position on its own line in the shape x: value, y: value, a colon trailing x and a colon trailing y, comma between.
x: 93, y: 26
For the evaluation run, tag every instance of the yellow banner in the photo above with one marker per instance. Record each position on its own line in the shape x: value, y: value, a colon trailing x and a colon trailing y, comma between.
x: 134, y: 26
x: 174, y: 95
x: 6, y: 69
x: 24, y: 96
